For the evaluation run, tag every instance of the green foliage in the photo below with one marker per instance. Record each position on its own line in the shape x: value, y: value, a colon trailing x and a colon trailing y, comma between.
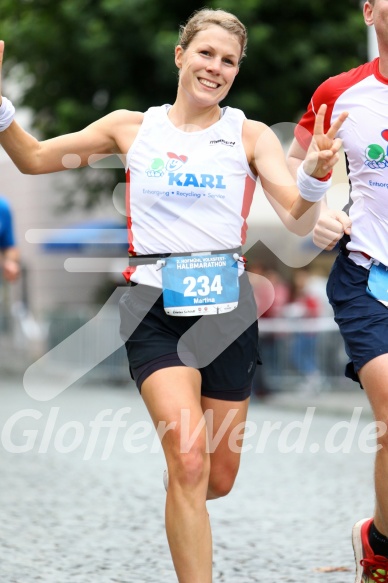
x: 82, y: 59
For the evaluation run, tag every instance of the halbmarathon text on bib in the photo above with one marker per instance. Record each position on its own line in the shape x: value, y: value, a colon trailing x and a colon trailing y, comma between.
x: 200, y: 285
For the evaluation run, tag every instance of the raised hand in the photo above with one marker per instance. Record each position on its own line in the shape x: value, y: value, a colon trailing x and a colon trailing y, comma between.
x: 322, y: 154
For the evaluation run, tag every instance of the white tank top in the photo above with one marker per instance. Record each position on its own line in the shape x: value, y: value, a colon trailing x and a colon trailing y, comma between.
x: 186, y: 191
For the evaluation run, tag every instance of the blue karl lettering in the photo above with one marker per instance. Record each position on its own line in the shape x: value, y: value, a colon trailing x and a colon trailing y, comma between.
x: 204, y: 180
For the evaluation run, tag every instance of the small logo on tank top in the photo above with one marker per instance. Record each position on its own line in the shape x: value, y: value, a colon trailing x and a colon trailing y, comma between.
x: 377, y: 155
x: 158, y: 166
x: 222, y: 142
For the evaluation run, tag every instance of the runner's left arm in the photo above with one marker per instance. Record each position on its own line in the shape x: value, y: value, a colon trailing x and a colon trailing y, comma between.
x: 269, y: 162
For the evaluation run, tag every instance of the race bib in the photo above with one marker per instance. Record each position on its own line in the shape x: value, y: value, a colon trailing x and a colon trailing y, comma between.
x: 199, y: 285
x: 377, y: 286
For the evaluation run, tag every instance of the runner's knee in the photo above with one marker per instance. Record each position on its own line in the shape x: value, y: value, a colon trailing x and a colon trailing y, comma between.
x: 221, y: 481
x: 190, y: 468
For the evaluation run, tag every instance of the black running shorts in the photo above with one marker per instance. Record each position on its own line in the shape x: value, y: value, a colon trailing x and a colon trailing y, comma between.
x: 362, y: 320
x: 223, y: 347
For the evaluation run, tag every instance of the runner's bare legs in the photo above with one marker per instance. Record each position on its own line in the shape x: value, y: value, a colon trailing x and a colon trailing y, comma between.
x: 195, y: 475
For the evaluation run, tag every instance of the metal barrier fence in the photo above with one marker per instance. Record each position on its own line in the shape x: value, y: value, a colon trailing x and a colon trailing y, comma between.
x: 304, y: 353
x: 295, y: 352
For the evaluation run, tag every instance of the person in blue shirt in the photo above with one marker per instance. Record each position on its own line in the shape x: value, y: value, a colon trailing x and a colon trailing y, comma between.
x: 9, y: 253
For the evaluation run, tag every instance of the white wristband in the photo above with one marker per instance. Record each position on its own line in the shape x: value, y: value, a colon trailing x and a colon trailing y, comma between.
x: 7, y: 113
x: 310, y: 188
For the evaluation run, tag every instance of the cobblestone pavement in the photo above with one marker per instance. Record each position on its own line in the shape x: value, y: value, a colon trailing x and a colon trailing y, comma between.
x: 70, y: 516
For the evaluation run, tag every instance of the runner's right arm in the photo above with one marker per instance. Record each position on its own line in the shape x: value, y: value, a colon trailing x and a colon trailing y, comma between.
x: 111, y: 134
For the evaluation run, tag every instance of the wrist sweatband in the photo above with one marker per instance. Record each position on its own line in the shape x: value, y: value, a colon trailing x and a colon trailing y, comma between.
x: 7, y: 114
x: 311, y: 189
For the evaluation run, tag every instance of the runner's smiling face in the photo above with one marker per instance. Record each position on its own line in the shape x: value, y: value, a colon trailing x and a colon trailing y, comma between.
x: 209, y: 65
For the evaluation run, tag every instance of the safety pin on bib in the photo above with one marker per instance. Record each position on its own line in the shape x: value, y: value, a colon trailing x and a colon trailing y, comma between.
x: 160, y: 263
x: 237, y: 257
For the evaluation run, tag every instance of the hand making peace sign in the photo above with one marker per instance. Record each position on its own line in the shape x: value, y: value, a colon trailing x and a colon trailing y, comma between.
x: 322, y: 154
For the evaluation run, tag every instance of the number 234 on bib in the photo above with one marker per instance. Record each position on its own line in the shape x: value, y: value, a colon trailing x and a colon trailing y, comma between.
x: 199, y: 285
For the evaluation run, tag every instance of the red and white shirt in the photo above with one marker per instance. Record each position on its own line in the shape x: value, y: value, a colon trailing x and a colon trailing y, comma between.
x: 363, y: 93
x: 186, y: 191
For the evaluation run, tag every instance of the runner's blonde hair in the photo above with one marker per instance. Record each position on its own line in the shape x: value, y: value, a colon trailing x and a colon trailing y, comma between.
x: 205, y: 17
